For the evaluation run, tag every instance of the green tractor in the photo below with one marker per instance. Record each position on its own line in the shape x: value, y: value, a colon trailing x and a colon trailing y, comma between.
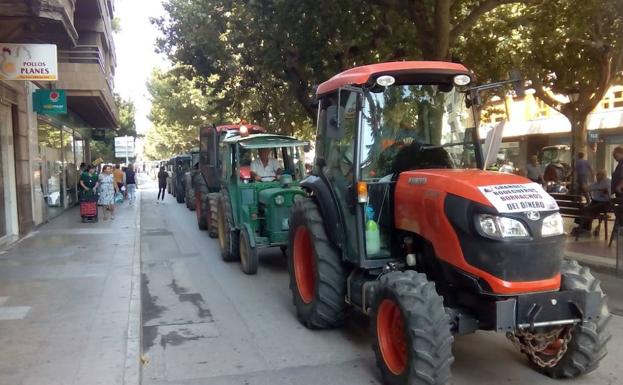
x: 254, y: 208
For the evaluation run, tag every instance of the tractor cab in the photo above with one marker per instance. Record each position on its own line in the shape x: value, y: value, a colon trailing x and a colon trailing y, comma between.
x: 261, y: 175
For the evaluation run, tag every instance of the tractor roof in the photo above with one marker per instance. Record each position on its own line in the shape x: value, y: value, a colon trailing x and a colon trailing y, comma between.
x: 362, y: 75
x: 266, y: 141
x: 236, y: 127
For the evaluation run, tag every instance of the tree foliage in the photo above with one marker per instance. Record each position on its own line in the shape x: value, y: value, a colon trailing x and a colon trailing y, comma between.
x: 127, y: 126
x: 569, y: 48
x: 178, y: 110
x: 259, y: 56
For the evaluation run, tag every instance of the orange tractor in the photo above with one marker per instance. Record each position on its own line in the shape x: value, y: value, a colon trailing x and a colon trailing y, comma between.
x: 401, y: 223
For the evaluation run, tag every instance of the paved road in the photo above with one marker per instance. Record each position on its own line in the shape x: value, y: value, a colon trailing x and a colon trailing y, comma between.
x: 205, y: 322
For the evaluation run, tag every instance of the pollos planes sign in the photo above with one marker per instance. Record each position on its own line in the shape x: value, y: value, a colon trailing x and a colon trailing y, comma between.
x: 28, y: 62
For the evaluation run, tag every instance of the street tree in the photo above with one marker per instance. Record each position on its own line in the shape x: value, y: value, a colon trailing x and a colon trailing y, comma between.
x: 570, y: 50
x: 104, y: 149
x: 248, y: 50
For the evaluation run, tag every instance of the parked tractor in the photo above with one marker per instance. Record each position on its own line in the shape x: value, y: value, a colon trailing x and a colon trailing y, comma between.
x: 207, y: 182
x: 253, y: 209
x: 401, y: 223
x: 189, y: 191
x: 180, y: 165
x: 556, y: 163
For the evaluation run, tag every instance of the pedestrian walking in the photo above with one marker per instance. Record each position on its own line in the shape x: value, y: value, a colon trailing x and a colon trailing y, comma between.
x: 533, y: 170
x: 108, y: 189
x: 119, y: 176
x: 584, y: 176
x: 130, y: 183
x: 162, y: 183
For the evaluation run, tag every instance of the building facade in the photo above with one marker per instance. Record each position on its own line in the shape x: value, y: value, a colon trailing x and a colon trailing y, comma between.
x: 40, y: 154
x: 532, y: 125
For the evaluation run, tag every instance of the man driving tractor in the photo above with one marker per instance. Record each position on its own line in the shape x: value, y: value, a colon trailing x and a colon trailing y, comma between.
x: 265, y: 168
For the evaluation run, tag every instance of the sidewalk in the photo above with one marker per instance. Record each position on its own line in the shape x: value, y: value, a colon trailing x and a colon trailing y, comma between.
x: 591, y: 250
x: 70, y: 302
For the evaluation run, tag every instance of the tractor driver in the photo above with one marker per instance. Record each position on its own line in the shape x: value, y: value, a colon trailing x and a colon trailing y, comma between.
x: 265, y: 168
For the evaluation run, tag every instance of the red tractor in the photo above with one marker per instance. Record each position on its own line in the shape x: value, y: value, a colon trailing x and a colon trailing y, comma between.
x: 401, y: 223
x: 206, y: 180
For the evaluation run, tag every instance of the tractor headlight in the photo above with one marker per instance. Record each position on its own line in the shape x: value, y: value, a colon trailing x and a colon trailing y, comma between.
x: 501, y: 227
x: 552, y: 225
x: 279, y: 200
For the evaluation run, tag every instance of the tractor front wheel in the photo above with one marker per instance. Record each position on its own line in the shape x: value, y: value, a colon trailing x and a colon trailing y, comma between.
x: 248, y: 255
x: 227, y: 235
x: 317, y: 275
x: 413, y: 341
x: 585, y: 343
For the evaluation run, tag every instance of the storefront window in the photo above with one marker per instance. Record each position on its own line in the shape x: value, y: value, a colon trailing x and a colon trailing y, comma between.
x: 70, y: 168
x: 50, y: 148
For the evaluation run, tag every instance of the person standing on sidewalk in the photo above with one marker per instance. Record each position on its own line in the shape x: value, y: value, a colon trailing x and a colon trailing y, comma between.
x: 617, y: 184
x: 162, y: 183
x: 584, y: 176
x: 533, y: 170
x: 89, y: 181
x: 130, y: 183
x: 108, y: 188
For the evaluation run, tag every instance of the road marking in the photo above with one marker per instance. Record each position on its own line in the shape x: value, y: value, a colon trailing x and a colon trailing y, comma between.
x: 13, y: 312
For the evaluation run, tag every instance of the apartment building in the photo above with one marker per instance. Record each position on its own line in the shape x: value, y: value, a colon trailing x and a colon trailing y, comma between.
x: 40, y: 154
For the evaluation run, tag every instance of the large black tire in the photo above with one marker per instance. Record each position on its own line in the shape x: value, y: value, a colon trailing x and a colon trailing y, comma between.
x: 202, y: 210
x: 179, y: 194
x: 249, y: 259
x: 412, y: 336
x: 227, y: 234
x: 317, y: 274
x: 588, y: 340
x: 213, y: 199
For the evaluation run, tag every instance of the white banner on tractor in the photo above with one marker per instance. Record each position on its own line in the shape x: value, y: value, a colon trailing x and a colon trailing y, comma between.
x: 515, y: 198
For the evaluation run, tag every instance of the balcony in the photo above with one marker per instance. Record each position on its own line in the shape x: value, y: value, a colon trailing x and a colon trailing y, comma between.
x: 84, y: 75
x: 50, y: 21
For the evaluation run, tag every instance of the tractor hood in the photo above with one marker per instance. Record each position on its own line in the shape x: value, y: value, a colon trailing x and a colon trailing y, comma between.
x: 268, y: 195
x: 504, y: 192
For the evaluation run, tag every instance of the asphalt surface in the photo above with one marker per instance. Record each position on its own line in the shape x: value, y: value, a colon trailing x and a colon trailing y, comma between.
x: 205, y: 322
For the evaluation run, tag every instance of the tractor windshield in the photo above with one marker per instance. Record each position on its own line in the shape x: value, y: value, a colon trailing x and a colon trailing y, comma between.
x: 413, y: 127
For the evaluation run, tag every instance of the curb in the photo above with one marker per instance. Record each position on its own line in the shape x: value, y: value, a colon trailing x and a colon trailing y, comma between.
x: 132, y: 369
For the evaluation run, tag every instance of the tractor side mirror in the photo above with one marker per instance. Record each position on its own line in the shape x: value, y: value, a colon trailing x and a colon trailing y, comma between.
x: 334, y: 116
x: 306, y: 148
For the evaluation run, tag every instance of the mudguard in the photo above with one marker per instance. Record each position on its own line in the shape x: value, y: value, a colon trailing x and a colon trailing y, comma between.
x: 328, y: 207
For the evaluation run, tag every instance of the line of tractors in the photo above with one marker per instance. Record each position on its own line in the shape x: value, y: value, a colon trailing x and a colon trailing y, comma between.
x: 397, y: 220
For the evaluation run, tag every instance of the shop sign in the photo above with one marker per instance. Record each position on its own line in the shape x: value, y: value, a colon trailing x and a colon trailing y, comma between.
x: 593, y: 136
x: 98, y: 134
x: 50, y: 102
x: 28, y: 62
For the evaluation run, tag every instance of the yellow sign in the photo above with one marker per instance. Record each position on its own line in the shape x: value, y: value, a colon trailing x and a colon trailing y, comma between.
x: 28, y: 62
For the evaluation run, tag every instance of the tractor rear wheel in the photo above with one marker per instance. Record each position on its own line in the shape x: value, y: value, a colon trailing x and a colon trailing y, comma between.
x: 212, y: 215
x: 227, y: 235
x: 587, y: 345
x: 317, y: 275
x: 201, y: 210
x: 248, y: 255
x: 413, y: 341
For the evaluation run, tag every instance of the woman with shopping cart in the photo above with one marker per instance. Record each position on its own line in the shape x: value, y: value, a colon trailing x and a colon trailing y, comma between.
x: 89, y: 182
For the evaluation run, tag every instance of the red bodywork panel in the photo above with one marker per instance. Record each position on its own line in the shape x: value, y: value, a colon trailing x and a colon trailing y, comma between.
x: 245, y: 172
x: 419, y: 208
x: 361, y: 75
